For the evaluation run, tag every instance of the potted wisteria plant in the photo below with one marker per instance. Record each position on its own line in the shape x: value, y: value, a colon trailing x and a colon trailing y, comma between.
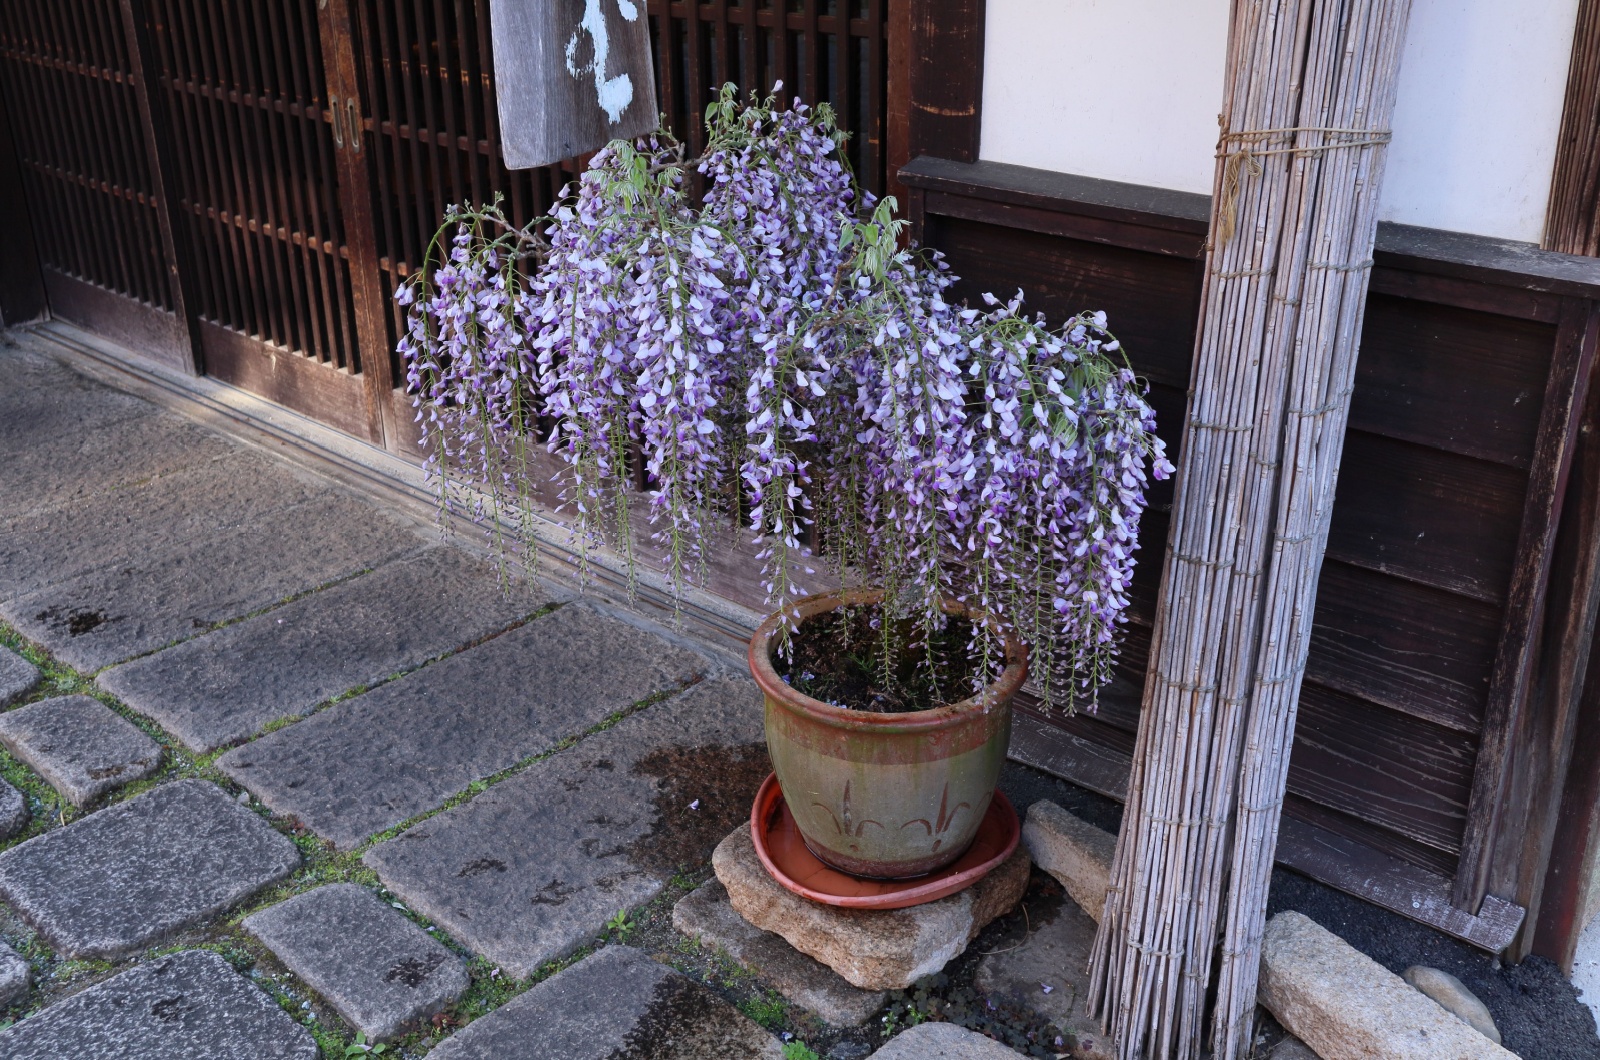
x: 773, y: 354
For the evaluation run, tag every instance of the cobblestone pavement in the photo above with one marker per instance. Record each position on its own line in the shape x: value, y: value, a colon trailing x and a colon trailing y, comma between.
x: 281, y: 766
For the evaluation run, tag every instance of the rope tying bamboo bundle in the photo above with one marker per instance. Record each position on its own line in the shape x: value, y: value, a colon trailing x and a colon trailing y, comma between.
x: 1245, y: 158
x: 1311, y: 85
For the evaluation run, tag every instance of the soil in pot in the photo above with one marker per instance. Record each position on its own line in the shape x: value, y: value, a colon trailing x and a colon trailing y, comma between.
x: 839, y: 658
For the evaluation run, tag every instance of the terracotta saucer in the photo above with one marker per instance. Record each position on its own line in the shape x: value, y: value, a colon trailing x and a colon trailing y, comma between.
x: 787, y: 860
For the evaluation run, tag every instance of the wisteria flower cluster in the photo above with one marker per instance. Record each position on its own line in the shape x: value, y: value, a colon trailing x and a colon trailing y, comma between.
x: 771, y: 352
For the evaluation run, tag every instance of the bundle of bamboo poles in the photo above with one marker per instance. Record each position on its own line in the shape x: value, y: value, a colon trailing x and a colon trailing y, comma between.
x: 1309, y: 96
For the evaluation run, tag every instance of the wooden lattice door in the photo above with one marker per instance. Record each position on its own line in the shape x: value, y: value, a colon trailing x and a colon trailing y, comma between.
x: 268, y: 180
x: 72, y: 79
x: 239, y: 186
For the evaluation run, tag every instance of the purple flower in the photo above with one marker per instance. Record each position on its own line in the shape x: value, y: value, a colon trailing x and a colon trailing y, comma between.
x: 776, y: 355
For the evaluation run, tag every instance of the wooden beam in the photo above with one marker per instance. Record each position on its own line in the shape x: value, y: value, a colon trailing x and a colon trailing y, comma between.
x: 1514, y: 670
x: 897, y: 136
x: 946, y: 46
x: 1542, y: 745
x: 1572, y: 219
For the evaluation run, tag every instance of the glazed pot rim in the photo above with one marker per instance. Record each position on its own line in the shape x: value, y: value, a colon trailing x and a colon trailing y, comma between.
x: 997, y: 694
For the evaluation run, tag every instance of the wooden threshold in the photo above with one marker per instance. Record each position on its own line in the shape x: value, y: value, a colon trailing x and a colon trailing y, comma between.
x: 1347, y: 864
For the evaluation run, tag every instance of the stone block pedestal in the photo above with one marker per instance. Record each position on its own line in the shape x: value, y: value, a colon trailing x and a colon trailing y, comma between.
x: 871, y: 949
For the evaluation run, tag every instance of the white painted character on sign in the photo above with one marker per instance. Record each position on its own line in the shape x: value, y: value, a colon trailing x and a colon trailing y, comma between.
x: 615, y: 93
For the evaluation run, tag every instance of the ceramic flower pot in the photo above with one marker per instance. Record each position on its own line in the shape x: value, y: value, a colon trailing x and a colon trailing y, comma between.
x: 888, y: 796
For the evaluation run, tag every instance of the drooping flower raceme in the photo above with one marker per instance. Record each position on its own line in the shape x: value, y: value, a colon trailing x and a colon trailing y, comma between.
x: 775, y: 352
x: 779, y: 190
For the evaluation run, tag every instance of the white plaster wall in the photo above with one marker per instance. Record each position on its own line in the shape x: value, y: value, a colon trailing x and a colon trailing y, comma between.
x: 1477, y: 116
x: 1129, y: 90
x: 1118, y: 89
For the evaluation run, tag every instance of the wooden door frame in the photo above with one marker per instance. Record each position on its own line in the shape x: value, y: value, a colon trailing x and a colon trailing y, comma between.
x: 349, y: 107
x: 158, y: 140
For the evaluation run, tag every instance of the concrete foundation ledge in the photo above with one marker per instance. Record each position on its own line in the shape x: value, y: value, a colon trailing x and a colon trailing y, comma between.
x: 1346, y: 1006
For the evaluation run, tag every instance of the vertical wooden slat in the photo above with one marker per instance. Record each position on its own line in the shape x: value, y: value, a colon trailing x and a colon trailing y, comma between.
x: 58, y: 238
x: 92, y: 155
x: 1572, y: 218
x: 257, y: 213
x: 1542, y: 747
x: 368, y: 300
x: 285, y: 171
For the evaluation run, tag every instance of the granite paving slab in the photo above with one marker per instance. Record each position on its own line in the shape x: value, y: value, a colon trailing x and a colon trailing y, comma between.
x: 80, y: 746
x: 134, y: 873
x: 1048, y: 974
x: 943, y: 1041
x: 14, y: 813
x: 44, y: 398
x: 615, y: 1005
x: 534, y: 867
x: 229, y: 684
x: 169, y: 595
x: 371, y: 762
x: 706, y: 914
x: 34, y: 363
x: 119, y: 527
x: 189, y: 1006
x: 40, y: 472
x: 381, y: 972
x: 18, y: 677
x: 15, y: 975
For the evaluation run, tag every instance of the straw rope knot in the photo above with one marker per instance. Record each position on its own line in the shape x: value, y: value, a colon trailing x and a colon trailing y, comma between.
x: 1251, y: 146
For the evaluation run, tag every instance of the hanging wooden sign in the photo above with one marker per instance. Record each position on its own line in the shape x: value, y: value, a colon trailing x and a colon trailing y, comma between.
x: 571, y: 76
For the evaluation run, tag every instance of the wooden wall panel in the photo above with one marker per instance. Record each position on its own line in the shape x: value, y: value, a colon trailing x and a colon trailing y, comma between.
x: 69, y: 73
x: 1463, y: 381
x: 1400, y: 773
x: 1427, y: 515
x: 22, y: 296
x: 1415, y: 650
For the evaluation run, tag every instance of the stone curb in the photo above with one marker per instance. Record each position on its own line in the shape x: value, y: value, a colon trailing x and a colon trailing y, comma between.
x: 1346, y: 1006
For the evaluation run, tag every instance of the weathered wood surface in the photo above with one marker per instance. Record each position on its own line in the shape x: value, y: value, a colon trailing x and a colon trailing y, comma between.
x: 1544, y: 744
x: 1427, y: 515
x: 1561, y: 409
x: 570, y: 77
x: 946, y: 57
x: 1572, y: 219
x: 1412, y: 649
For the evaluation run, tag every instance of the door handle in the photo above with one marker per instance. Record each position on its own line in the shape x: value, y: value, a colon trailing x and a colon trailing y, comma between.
x: 353, y: 125
x: 338, y: 135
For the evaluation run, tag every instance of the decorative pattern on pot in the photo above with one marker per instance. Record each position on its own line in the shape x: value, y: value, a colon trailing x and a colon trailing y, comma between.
x: 889, y: 796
